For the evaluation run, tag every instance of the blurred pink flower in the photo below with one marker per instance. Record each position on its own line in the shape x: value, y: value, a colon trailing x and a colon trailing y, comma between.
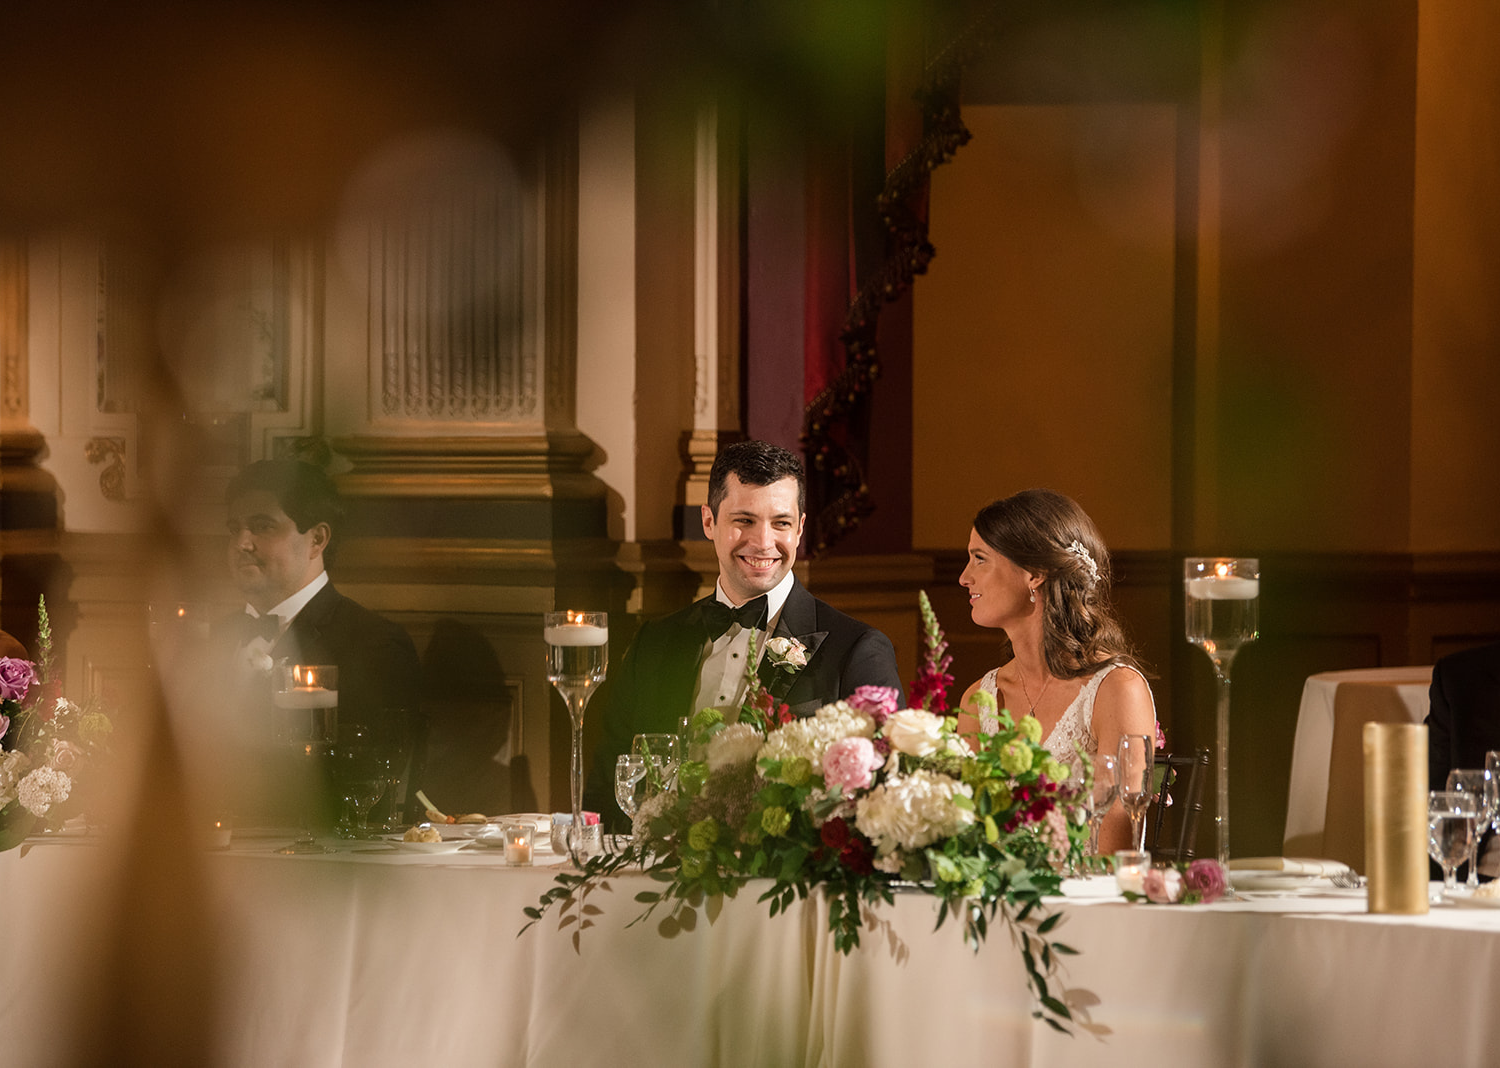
x: 850, y: 764
x: 1206, y: 879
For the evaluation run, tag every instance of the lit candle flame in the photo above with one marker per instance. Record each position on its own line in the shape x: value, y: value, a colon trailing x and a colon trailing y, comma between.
x: 1221, y: 569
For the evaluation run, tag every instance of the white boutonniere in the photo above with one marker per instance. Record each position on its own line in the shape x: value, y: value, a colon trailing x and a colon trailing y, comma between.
x: 786, y: 654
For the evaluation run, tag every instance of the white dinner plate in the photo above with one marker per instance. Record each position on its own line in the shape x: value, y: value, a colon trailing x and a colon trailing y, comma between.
x: 1466, y: 898
x: 447, y: 845
x: 1274, y: 880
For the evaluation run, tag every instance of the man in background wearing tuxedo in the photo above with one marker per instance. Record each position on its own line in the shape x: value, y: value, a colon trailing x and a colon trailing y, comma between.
x: 696, y: 658
x: 1463, y: 724
x: 283, y: 518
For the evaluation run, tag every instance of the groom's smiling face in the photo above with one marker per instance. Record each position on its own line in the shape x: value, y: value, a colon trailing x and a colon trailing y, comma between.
x: 755, y: 535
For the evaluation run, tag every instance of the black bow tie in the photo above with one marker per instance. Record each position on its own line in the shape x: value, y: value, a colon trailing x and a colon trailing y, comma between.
x: 718, y: 616
x: 267, y: 627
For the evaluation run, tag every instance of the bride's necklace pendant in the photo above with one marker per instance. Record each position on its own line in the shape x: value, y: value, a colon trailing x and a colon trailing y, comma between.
x: 1040, y: 693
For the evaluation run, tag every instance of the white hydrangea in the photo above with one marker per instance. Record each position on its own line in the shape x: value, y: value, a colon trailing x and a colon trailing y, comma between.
x: 912, y: 811
x: 735, y: 744
x: 12, y: 766
x: 811, y: 737
x: 656, y: 805
x: 39, y: 790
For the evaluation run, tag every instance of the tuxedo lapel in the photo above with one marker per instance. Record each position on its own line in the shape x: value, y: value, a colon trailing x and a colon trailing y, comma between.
x: 799, y: 621
x: 303, y: 641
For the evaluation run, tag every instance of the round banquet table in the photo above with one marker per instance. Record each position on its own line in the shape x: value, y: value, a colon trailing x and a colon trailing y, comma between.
x: 367, y: 958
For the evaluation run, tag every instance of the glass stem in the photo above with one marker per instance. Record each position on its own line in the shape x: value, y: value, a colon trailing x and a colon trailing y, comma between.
x: 575, y: 831
x: 1221, y: 766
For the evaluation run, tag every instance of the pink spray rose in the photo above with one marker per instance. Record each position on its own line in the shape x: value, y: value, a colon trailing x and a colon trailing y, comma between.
x: 1206, y: 879
x: 878, y: 702
x: 850, y: 763
x: 16, y: 677
x: 1162, y: 885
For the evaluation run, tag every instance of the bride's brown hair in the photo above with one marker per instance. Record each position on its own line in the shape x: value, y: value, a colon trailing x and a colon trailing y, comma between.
x: 1047, y: 533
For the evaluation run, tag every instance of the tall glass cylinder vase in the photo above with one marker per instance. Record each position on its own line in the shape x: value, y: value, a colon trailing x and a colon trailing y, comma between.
x: 577, y: 658
x: 1223, y: 614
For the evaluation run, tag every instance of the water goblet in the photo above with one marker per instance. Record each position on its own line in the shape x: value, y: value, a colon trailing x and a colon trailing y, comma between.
x: 665, y: 748
x: 361, y: 771
x: 577, y: 658
x: 1479, y: 783
x: 1106, y: 788
x: 1135, y: 764
x: 1492, y: 787
x: 1450, y: 831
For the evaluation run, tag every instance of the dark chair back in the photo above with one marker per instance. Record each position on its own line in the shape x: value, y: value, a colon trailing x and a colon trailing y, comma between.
x: 1174, y: 820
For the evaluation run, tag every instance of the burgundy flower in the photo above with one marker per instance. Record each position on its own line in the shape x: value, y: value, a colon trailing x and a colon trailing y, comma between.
x: 835, y: 834
x: 858, y: 856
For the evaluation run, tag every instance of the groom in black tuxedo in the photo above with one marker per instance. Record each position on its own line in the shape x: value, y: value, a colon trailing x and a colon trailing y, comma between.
x: 696, y: 657
x: 283, y: 520
x: 1463, y: 723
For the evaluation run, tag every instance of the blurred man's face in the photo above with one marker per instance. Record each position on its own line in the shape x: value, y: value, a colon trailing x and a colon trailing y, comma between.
x: 269, y: 558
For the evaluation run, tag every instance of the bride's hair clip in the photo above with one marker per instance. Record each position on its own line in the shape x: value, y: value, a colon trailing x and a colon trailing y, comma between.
x: 1084, y: 558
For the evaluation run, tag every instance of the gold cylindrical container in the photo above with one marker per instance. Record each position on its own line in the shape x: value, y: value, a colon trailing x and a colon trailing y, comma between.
x: 1396, y: 816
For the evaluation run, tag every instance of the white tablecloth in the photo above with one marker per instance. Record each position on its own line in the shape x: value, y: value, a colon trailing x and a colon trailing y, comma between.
x: 1404, y: 690
x: 359, y: 960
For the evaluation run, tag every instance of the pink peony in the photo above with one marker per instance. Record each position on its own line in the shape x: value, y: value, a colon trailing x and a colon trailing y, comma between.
x: 1162, y: 885
x: 16, y: 677
x: 850, y: 764
x: 1206, y: 879
x: 878, y: 702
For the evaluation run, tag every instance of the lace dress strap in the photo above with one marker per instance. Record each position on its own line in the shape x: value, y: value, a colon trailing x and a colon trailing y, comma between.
x: 989, y: 722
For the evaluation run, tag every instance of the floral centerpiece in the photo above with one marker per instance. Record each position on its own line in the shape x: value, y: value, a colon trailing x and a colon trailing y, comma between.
x: 858, y: 800
x: 46, y: 742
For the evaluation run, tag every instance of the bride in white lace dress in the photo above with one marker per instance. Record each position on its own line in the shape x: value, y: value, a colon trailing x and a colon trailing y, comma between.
x: 1039, y: 571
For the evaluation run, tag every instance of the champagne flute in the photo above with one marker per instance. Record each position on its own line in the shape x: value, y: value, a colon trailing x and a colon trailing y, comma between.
x: 1106, y: 789
x: 1450, y: 831
x: 1477, y: 783
x: 577, y: 658
x: 1222, y: 601
x: 306, y: 700
x: 1135, y: 763
x: 362, y: 769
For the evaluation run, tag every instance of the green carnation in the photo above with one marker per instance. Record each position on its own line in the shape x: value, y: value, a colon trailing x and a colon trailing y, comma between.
x: 704, y: 719
x: 1057, y: 772
x: 1030, y: 728
x: 1015, y: 757
x: 752, y: 834
x: 692, y: 866
x: 775, y: 821
x: 703, y: 834
x: 691, y: 775
x: 1000, y: 795
x: 796, y: 772
x: 94, y: 727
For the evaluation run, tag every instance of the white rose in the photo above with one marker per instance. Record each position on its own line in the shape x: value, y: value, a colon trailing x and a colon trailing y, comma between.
x: 737, y: 743
x: 914, y: 732
x: 787, y: 651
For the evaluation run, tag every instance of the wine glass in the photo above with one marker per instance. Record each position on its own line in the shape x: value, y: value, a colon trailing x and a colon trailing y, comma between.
x: 1492, y: 788
x: 306, y: 703
x: 630, y: 769
x: 577, y: 658
x: 362, y: 772
x: 1479, y: 783
x: 665, y: 753
x: 1450, y: 831
x: 1134, y: 766
x: 1222, y: 600
x: 1106, y: 789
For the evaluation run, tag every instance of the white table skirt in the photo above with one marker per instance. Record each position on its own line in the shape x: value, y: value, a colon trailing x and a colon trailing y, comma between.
x: 415, y: 960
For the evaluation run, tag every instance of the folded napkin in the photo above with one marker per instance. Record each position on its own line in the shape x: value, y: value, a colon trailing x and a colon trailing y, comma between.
x: 1288, y: 865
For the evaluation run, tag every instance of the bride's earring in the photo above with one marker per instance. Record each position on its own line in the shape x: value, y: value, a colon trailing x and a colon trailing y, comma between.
x: 1031, y: 593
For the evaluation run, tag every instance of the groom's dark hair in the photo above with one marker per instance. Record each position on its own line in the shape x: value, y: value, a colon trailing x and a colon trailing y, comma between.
x: 306, y: 494
x: 755, y: 463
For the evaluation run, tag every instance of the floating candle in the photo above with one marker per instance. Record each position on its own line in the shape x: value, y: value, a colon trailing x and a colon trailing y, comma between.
x: 1223, y: 589
x: 575, y: 634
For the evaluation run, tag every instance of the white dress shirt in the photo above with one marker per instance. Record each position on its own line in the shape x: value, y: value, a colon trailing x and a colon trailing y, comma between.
x: 721, y: 678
